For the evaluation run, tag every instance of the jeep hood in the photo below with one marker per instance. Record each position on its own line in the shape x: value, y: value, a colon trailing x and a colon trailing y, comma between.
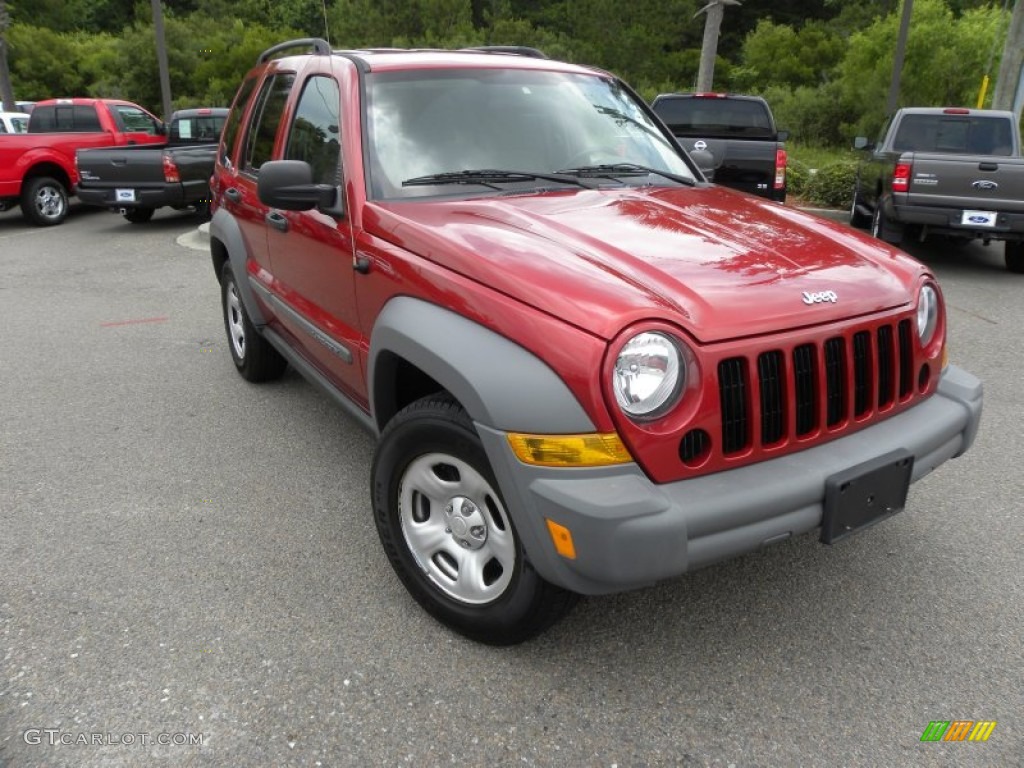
x: 718, y: 263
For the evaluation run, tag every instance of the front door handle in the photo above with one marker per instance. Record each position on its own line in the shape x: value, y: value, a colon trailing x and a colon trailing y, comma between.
x: 233, y: 195
x: 277, y: 221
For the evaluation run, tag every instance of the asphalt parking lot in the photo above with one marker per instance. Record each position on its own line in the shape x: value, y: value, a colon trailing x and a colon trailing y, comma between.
x: 190, y: 576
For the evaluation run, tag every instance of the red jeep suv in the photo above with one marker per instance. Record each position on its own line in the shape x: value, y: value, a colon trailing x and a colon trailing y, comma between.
x: 588, y: 368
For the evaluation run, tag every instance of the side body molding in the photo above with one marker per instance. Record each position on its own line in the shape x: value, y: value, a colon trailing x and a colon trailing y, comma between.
x: 499, y: 383
x: 224, y: 228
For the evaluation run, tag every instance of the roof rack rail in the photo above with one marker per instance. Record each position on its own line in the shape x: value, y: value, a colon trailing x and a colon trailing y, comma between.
x: 517, y: 50
x: 320, y: 47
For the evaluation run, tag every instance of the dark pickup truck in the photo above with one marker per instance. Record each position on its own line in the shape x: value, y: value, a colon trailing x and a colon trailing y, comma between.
x: 951, y: 172
x: 738, y: 131
x: 135, y: 181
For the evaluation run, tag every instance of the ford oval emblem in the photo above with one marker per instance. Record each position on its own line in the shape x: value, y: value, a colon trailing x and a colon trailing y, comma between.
x: 700, y: 144
x: 985, y: 184
x: 978, y: 219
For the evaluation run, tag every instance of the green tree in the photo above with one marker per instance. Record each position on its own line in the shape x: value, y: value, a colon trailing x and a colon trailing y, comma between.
x: 945, y: 61
x: 40, y: 61
x: 778, y: 55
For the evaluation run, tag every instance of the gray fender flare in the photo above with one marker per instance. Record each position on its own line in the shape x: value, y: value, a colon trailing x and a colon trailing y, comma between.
x: 224, y: 228
x: 499, y: 383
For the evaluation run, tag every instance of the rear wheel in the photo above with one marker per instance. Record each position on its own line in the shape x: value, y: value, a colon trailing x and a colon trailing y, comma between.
x: 447, y: 533
x: 254, y: 356
x: 138, y: 215
x: 44, y: 201
x: 1013, y: 250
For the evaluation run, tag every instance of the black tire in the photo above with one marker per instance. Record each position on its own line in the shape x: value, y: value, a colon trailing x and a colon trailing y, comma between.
x: 254, y: 356
x: 202, y: 210
x: 433, y: 441
x: 882, y: 228
x: 138, y: 215
x: 1013, y: 251
x: 858, y: 219
x: 44, y: 201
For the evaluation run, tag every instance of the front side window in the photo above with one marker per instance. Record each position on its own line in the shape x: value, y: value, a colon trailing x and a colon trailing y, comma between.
x: 266, y: 117
x: 315, y: 133
x: 134, y: 120
x: 426, y: 122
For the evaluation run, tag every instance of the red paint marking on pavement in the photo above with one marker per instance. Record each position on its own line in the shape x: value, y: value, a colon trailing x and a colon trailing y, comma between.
x: 135, y: 322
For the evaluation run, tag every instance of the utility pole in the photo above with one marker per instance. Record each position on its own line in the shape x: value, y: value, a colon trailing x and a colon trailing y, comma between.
x: 715, y: 11
x: 898, y: 56
x: 161, y: 58
x: 1013, y: 59
x: 6, y: 91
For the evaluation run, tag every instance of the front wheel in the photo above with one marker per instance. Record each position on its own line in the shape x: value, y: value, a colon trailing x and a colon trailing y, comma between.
x: 857, y: 219
x: 1013, y: 251
x: 44, y: 201
x: 447, y: 533
x: 882, y: 229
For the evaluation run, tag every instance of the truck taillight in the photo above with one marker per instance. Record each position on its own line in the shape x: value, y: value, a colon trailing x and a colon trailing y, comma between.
x: 171, y: 175
x: 901, y: 177
x: 780, y: 168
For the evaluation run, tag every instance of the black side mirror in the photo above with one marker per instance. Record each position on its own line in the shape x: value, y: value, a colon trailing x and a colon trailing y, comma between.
x: 783, y: 135
x: 288, y: 185
x: 861, y: 142
x: 705, y: 161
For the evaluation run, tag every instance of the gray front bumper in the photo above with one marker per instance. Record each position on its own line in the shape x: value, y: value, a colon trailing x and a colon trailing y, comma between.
x: 629, y: 532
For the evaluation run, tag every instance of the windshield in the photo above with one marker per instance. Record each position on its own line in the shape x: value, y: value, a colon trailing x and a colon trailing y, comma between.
x: 428, y: 122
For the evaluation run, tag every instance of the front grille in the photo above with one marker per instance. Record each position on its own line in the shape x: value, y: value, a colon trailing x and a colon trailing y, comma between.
x: 783, y: 394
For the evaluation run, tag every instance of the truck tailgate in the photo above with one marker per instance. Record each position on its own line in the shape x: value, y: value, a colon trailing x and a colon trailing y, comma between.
x: 980, y: 182
x: 748, y: 165
x: 132, y: 165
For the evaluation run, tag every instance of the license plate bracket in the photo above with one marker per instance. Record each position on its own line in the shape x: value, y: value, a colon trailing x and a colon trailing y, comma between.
x: 866, y: 494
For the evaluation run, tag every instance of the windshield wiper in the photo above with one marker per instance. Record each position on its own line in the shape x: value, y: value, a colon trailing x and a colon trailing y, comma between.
x: 611, y: 170
x: 491, y: 177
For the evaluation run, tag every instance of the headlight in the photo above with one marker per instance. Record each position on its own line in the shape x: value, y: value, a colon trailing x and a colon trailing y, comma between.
x: 927, y: 314
x: 648, y: 375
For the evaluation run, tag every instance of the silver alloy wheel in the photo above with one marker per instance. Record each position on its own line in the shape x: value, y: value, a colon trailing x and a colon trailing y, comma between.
x: 456, y: 528
x: 236, y: 324
x: 50, y: 201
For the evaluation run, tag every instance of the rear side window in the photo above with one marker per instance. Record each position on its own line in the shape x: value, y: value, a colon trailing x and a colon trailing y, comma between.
x: 234, y: 122
x: 266, y: 117
x: 315, y: 133
x: 715, y: 116
x: 65, y: 118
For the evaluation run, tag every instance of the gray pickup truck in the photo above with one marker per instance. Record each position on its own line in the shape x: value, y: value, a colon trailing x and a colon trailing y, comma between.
x: 949, y: 172
x: 738, y: 131
x: 136, y: 180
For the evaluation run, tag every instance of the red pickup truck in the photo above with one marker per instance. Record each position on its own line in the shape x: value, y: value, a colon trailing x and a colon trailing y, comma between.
x: 588, y: 369
x: 37, y: 169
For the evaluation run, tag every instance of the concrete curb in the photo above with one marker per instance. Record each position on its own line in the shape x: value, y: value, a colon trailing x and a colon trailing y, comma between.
x: 198, y: 239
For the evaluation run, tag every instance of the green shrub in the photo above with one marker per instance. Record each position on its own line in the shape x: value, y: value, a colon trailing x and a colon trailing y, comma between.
x: 832, y: 185
x: 797, y: 177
